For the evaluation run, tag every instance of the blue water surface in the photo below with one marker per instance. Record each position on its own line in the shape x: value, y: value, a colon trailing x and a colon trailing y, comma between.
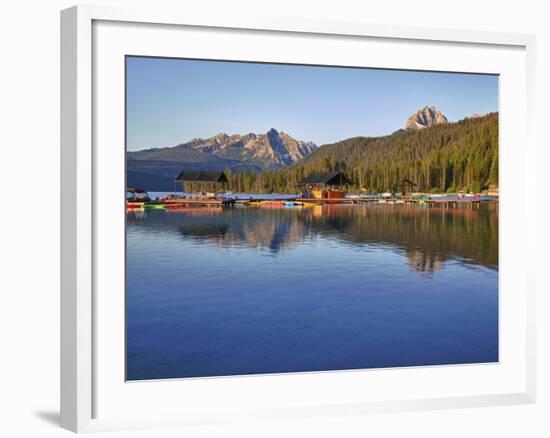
x: 250, y: 290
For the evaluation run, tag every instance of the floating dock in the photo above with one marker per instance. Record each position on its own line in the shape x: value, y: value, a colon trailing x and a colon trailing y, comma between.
x: 181, y: 203
x: 429, y: 202
x: 177, y: 203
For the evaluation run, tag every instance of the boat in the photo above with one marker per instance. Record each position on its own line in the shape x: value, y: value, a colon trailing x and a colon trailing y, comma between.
x: 137, y: 195
x: 134, y: 205
x: 293, y: 204
x: 272, y: 204
x: 153, y: 206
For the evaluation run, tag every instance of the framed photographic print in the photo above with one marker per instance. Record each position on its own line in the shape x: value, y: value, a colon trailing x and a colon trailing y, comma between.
x: 282, y: 219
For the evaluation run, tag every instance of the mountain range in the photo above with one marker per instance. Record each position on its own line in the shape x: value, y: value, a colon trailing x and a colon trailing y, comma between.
x: 428, y: 138
x: 258, y: 152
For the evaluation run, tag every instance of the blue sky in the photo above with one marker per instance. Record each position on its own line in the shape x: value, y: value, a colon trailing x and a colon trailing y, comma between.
x: 170, y: 101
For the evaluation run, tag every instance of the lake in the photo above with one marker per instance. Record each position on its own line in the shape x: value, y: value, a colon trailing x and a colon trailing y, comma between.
x: 249, y: 290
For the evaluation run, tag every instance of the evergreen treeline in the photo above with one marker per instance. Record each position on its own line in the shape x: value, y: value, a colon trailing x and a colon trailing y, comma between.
x: 451, y: 157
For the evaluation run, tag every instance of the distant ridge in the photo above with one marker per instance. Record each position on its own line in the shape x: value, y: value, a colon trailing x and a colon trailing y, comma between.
x: 271, y: 150
x: 156, y: 168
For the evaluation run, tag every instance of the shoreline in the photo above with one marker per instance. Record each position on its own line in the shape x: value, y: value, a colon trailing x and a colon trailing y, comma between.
x: 159, y: 200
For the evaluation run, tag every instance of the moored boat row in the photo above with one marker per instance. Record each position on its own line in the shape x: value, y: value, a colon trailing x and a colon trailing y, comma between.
x: 143, y: 201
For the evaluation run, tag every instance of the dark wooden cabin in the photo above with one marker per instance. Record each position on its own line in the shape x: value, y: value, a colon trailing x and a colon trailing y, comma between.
x: 324, y: 185
x: 199, y: 180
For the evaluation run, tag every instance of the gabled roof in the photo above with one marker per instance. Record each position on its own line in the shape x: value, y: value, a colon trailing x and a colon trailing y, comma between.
x: 201, y: 176
x: 328, y: 178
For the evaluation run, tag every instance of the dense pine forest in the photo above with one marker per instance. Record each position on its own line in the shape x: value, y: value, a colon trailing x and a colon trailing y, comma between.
x: 443, y: 158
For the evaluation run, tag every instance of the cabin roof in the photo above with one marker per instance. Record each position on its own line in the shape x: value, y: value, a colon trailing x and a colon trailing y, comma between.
x: 328, y: 178
x: 201, y: 176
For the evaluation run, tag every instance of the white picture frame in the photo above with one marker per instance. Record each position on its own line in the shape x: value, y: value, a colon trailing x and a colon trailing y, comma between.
x: 85, y: 375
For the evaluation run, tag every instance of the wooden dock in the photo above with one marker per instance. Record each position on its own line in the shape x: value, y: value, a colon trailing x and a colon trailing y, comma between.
x: 473, y: 202
x: 322, y: 201
x: 172, y: 204
x: 182, y: 203
x: 177, y: 203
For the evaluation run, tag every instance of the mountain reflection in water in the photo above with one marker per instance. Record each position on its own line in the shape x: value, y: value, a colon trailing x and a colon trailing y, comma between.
x: 427, y: 236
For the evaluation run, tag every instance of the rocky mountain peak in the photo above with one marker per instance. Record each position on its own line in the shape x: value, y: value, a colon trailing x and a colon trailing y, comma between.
x: 425, y: 117
x: 271, y: 150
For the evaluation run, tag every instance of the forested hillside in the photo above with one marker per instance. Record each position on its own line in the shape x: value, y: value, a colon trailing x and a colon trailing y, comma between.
x: 447, y: 157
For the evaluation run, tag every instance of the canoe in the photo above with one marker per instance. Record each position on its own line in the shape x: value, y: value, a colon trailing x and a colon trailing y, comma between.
x: 153, y: 207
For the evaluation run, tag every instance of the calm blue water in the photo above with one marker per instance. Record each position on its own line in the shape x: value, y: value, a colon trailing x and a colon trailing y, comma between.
x: 250, y: 290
